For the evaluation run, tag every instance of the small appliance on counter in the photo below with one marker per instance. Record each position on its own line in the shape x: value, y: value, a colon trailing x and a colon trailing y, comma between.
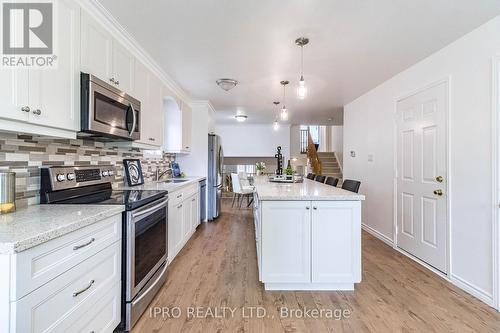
x: 7, y: 192
x: 286, y: 178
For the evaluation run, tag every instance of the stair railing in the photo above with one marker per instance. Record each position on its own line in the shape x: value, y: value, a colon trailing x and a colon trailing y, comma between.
x: 312, y: 155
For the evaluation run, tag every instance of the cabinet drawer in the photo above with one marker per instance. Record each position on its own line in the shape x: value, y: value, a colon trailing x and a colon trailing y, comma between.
x: 104, y: 315
x: 70, y: 296
x: 43, y: 263
x: 190, y: 190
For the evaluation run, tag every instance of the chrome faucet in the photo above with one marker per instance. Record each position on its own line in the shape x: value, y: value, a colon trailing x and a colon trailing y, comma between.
x: 160, y: 174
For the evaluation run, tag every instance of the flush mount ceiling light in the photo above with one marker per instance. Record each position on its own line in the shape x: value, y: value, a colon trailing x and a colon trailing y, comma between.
x: 284, y: 110
x: 226, y: 84
x: 240, y: 118
x: 302, y: 89
x: 276, y: 125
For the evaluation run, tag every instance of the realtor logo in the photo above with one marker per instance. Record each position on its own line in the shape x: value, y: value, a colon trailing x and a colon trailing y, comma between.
x: 27, y: 34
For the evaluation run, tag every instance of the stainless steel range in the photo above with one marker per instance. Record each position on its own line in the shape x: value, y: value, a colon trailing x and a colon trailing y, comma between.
x: 144, y: 246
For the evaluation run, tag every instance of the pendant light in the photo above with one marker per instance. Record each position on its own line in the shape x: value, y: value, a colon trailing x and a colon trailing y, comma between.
x: 284, y: 111
x: 276, y: 125
x: 302, y: 89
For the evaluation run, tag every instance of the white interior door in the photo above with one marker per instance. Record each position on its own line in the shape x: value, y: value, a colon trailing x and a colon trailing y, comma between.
x: 421, y: 175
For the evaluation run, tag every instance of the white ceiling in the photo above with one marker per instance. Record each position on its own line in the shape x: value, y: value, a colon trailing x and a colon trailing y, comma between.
x: 355, y: 45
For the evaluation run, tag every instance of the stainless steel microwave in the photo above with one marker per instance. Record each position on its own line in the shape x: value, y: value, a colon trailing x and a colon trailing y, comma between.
x: 107, y: 112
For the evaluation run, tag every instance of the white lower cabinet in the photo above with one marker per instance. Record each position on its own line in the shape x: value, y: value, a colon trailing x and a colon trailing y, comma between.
x: 335, y: 241
x: 308, y: 245
x: 183, y: 218
x: 286, y: 241
x: 69, y: 284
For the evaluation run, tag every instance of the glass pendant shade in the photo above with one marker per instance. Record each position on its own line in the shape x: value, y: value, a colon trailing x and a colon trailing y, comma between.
x: 284, y: 114
x: 276, y: 125
x: 302, y: 89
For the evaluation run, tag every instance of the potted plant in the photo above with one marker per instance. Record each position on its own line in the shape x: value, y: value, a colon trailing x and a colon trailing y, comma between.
x: 260, y: 166
x: 289, y: 172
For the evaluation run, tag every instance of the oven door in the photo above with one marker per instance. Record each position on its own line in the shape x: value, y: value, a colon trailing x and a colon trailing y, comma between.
x: 146, y: 244
x: 108, y: 111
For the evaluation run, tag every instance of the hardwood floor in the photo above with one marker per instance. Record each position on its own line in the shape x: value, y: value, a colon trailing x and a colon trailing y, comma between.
x: 217, y: 271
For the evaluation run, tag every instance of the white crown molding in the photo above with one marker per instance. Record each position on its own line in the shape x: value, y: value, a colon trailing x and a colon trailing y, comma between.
x: 203, y: 102
x: 102, y: 15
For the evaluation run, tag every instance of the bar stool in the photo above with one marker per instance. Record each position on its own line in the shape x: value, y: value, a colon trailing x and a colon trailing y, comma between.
x: 332, y: 181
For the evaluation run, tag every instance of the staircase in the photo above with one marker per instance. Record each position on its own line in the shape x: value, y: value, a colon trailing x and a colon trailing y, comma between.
x: 330, y: 165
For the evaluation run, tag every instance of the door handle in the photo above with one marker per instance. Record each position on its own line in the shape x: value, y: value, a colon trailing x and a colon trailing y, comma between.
x: 439, y: 179
x: 438, y: 192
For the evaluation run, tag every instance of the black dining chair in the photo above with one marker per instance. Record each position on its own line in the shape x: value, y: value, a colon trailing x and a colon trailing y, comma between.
x: 351, y: 185
x: 311, y: 176
x: 332, y: 181
x: 320, y: 179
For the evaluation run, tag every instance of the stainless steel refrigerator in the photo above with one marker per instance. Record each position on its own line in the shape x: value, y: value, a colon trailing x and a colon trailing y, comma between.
x: 215, y: 175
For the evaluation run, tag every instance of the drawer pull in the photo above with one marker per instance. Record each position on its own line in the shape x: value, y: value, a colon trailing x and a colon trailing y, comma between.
x: 180, y: 206
x: 180, y: 195
x: 77, y: 247
x: 193, y: 199
x: 76, y: 293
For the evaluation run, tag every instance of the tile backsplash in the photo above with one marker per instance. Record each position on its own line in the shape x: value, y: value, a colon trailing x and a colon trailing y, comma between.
x: 25, y: 154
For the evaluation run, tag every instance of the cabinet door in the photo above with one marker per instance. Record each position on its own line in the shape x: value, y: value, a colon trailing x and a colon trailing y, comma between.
x: 187, y: 219
x: 195, y: 211
x: 14, y: 102
x: 286, y: 241
x: 141, y: 77
x: 175, y: 239
x: 123, y: 68
x: 96, y: 46
x: 336, y: 241
x: 54, y: 94
x: 155, y: 102
x: 186, y: 127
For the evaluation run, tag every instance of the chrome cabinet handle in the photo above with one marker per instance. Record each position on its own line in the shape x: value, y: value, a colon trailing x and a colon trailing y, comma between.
x: 77, y: 247
x: 307, y: 207
x: 117, y: 82
x: 25, y: 109
x: 112, y: 79
x: 193, y: 199
x: 37, y: 112
x: 315, y: 208
x: 76, y: 293
x: 180, y: 206
x: 180, y: 195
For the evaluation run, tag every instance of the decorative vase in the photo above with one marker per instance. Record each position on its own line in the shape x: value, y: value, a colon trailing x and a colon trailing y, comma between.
x: 259, y: 172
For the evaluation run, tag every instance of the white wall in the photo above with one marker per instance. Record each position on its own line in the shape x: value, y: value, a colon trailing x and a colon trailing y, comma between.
x: 254, y: 140
x: 337, y: 138
x: 369, y: 129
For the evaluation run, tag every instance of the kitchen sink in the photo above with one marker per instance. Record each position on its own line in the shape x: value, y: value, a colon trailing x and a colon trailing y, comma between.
x: 176, y: 180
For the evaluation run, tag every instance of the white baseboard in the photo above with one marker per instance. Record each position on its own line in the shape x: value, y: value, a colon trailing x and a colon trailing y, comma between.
x: 473, y: 290
x: 377, y: 234
x: 455, y: 280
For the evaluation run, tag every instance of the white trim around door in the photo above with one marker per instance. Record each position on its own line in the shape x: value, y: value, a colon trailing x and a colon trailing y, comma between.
x: 495, y: 121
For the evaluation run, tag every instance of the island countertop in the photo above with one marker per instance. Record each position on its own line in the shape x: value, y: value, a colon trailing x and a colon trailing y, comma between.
x: 307, y: 190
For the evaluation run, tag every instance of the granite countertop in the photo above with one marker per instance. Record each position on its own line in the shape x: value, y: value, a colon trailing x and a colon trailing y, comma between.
x: 37, y: 224
x: 162, y: 185
x: 307, y: 190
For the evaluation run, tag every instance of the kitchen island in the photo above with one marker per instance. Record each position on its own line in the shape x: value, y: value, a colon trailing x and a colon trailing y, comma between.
x: 308, y: 235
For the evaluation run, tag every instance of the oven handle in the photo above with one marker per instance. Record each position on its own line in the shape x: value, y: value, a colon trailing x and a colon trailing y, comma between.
x: 149, y: 210
x: 150, y: 287
x: 134, y: 120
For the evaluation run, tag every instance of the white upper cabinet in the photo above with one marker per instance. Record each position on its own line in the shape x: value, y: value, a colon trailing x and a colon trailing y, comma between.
x: 177, y: 125
x: 97, y: 46
x: 54, y: 95
x: 45, y: 101
x: 105, y: 57
x: 149, y: 92
x: 186, y: 127
x: 123, y: 68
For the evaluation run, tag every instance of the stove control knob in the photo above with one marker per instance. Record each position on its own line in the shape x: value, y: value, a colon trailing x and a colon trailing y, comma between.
x: 110, y: 173
x: 105, y: 173
x: 70, y: 176
x: 61, y: 177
